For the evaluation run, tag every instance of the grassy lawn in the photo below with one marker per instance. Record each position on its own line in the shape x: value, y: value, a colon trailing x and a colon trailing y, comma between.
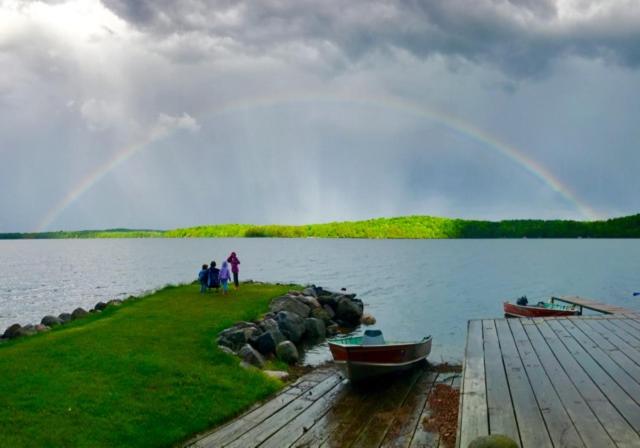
x: 147, y: 373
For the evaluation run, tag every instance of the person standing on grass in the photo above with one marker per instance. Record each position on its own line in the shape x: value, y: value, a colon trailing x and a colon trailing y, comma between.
x: 214, y: 276
x: 233, y: 259
x: 203, y: 278
x: 224, y: 277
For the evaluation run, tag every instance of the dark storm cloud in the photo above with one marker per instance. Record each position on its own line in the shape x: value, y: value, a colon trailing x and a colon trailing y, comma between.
x: 520, y: 36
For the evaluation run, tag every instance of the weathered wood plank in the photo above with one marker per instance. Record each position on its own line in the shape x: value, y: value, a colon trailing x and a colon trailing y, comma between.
x: 630, y: 326
x: 528, y: 400
x: 502, y: 418
x: 584, y: 419
x: 421, y: 437
x: 407, y: 419
x: 473, y: 399
x: 618, y: 328
x: 267, y: 427
x: 296, y: 428
x: 594, y: 305
x: 620, y: 431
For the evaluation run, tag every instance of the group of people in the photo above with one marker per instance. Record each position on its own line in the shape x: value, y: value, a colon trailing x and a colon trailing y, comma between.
x: 212, y: 277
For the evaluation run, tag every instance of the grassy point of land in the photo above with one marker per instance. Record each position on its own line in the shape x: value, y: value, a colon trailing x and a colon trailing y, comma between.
x: 147, y: 373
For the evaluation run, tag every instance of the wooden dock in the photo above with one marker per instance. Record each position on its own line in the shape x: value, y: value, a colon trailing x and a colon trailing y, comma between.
x: 594, y: 305
x: 553, y: 382
x: 323, y: 410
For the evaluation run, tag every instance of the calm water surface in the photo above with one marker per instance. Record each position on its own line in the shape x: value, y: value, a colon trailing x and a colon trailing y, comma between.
x: 413, y: 288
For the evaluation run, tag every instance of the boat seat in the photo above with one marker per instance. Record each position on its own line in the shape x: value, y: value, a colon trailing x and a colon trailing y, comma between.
x: 373, y: 337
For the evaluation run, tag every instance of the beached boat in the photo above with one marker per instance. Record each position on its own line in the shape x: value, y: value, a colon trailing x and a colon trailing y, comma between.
x: 362, y: 357
x: 541, y: 309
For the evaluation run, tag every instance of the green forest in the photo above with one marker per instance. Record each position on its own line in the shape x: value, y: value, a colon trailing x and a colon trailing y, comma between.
x: 409, y: 227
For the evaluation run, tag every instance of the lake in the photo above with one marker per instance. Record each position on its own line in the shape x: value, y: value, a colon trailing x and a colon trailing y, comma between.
x: 413, y: 287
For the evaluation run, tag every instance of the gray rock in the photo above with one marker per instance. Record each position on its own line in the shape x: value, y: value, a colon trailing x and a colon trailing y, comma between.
x: 290, y: 304
x: 291, y: 325
x: 349, y: 310
x: 329, y: 311
x: 65, y: 317
x: 40, y: 328
x: 100, y: 306
x: 51, y: 321
x: 11, y: 332
x: 330, y: 300
x: 27, y: 330
x: 322, y: 314
x: 226, y: 350
x: 310, y: 291
x: 78, y: 313
x: 114, y: 302
x: 311, y: 302
x: 314, y: 329
x: 265, y: 343
x: 287, y: 352
x: 234, y: 338
x: 332, y: 329
x: 250, y: 355
x: 277, y: 374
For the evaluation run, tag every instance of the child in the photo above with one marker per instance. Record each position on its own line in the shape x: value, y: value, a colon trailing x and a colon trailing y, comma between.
x: 233, y: 259
x: 224, y: 277
x: 214, y: 274
x: 203, y: 277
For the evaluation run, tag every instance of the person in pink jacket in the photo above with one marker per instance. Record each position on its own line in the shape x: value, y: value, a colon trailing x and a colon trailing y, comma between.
x: 234, y: 262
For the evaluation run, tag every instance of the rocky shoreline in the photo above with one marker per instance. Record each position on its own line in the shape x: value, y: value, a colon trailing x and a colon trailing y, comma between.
x: 307, y: 316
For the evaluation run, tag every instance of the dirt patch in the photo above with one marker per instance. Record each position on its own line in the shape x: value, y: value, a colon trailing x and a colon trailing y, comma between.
x: 443, y: 403
x: 445, y: 367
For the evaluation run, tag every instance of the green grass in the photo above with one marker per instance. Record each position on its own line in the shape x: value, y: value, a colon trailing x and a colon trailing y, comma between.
x: 413, y: 227
x: 147, y: 373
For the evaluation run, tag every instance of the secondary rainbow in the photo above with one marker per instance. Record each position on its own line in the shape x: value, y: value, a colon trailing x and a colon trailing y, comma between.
x: 448, y: 121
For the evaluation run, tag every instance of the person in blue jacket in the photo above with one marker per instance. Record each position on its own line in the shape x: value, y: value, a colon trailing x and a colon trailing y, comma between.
x: 203, y: 278
x: 214, y: 276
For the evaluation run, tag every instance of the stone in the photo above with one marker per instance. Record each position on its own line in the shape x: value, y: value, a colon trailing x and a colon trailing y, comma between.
x: 311, y: 302
x: 322, y: 314
x: 40, y: 328
x: 27, y: 330
x: 287, y: 352
x: 277, y: 374
x: 367, y: 319
x: 332, y: 329
x: 329, y: 311
x: 349, y: 310
x: 310, y: 291
x: 234, y: 338
x: 11, y: 332
x: 493, y: 441
x: 65, y: 317
x: 78, y: 313
x: 290, y: 304
x: 51, y: 321
x: 291, y: 325
x: 100, y: 306
x: 226, y: 350
x: 330, y: 300
x: 250, y: 355
x: 265, y: 343
x: 314, y: 329
x: 114, y: 302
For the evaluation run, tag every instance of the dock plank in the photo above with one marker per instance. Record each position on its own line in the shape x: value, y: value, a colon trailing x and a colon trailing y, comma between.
x: 618, y: 329
x: 594, y: 305
x: 618, y: 428
x: 561, y: 430
x: 473, y: 399
x: 500, y: 406
x: 422, y: 438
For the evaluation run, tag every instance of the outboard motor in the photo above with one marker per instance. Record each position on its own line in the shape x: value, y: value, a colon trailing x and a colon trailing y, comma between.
x: 522, y: 301
x: 372, y: 337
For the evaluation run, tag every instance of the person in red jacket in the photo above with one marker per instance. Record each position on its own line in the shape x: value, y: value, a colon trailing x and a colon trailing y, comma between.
x: 234, y: 262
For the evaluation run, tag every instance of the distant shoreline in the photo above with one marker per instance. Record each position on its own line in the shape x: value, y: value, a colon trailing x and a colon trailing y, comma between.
x: 408, y: 227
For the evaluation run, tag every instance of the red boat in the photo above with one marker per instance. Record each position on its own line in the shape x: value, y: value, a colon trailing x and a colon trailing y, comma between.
x: 541, y: 309
x: 361, y: 357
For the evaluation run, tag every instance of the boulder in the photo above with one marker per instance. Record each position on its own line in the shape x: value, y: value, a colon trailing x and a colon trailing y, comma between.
x: 250, y: 355
x: 287, y: 352
x: 277, y: 374
x: 78, y: 313
x: 330, y: 300
x: 51, y: 321
x: 367, y: 319
x: 314, y: 329
x: 322, y: 314
x: 65, y: 317
x: 311, y: 302
x: 40, y: 328
x: 310, y: 291
x: 332, y: 329
x: 100, y: 306
x: 329, y: 311
x: 27, y: 330
x: 234, y: 338
x: 114, y: 302
x: 493, y: 441
x: 291, y: 325
x: 290, y: 304
x: 11, y: 332
x: 265, y: 343
x: 226, y: 350
x: 349, y: 310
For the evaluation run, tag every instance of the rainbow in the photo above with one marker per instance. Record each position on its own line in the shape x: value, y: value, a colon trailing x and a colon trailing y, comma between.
x: 448, y: 121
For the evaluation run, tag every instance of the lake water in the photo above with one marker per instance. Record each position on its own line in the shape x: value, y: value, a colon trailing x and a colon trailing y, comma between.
x: 413, y: 287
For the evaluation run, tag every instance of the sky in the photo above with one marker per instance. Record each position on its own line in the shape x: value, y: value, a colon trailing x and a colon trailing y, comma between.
x: 162, y: 114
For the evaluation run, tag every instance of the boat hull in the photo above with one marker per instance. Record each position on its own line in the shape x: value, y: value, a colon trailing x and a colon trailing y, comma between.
x: 359, y: 362
x: 514, y: 310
